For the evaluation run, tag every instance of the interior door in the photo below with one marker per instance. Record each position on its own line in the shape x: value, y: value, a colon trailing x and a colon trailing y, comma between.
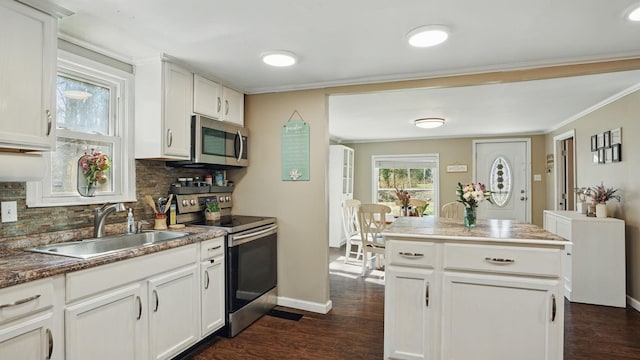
x: 503, y: 166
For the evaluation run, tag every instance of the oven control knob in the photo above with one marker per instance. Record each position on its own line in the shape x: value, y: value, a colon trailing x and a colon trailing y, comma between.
x: 185, y: 202
x: 221, y: 199
x: 228, y: 198
x: 192, y: 202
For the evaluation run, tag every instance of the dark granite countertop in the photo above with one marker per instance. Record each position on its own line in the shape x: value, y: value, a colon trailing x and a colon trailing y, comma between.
x: 18, y: 266
x: 506, y: 231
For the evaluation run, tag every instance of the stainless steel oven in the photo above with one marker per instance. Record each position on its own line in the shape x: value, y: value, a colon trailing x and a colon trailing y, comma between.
x: 251, y: 264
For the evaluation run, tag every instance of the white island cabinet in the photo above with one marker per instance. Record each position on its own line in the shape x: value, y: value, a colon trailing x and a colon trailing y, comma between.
x: 494, y: 292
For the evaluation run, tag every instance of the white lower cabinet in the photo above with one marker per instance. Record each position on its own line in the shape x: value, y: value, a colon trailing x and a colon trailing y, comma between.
x: 499, y: 317
x: 473, y: 300
x: 410, y: 323
x: 212, y: 286
x: 31, y: 324
x: 173, y: 312
x: 150, y: 310
x: 109, y: 326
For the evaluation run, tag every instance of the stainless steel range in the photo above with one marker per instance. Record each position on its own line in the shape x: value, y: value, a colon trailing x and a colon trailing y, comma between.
x: 251, y: 257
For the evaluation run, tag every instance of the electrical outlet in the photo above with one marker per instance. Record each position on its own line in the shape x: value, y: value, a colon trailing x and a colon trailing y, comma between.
x: 9, y: 211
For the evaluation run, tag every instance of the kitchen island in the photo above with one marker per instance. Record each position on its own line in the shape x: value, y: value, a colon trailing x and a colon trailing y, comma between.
x: 491, y: 292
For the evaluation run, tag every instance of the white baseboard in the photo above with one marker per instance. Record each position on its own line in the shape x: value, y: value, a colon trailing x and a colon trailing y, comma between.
x: 633, y: 303
x: 305, y: 305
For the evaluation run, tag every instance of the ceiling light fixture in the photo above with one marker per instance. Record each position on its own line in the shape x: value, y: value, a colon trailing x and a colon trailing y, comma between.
x: 634, y: 15
x: 279, y: 58
x: 429, y: 123
x: 430, y: 35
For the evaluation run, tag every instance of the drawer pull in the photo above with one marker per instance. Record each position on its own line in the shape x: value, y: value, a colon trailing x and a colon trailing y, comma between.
x: 499, y: 261
x: 214, y: 248
x: 20, y: 302
x: 410, y: 254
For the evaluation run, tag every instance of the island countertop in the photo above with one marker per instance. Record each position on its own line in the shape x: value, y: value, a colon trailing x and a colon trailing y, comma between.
x: 494, y: 230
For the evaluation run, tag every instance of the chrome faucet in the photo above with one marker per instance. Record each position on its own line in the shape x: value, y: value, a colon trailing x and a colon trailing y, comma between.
x: 100, y: 215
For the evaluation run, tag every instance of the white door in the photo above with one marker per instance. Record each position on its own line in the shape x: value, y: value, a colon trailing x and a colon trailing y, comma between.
x: 503, y: 166
x: 213, y: 291
x: 29, y: 339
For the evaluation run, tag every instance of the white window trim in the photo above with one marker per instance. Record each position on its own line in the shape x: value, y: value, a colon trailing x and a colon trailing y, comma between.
x: 125, y: 186
x: 407, y: 157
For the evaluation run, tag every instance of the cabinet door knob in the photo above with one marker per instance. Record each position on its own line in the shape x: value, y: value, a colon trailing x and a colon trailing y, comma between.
x: 206, y: 278
x: 426, y: 296
x: 49, y: 122
x: 139, y: 308
x: 226, y: 107
x: 155, y: 294
x: 219, y: 104
x: 553, y: 308
x: 169, y: 138
x: 50, y: 344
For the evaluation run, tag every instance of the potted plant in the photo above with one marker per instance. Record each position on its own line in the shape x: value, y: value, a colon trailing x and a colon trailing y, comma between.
x: 212, y: 211
x: 600, y: 195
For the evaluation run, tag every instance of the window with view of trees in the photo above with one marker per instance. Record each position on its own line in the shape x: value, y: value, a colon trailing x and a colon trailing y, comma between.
x: 417, y: 174
x: 93, y: 112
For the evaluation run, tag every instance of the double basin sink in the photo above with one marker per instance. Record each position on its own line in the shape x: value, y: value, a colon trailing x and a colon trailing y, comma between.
x: 90, y: 248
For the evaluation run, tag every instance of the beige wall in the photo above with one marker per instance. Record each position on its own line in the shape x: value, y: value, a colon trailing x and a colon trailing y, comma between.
x: 623, y: 113
x: 451, y: 152
x: 303, y: 248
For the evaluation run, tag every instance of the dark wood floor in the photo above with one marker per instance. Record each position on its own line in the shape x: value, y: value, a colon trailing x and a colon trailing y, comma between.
x: 353, y: 329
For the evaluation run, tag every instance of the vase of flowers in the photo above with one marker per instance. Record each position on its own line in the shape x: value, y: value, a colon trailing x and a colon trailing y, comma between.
x: 91, y: 171
x: 600, y: 195
x: 471, y: 195
x: 403, y: 200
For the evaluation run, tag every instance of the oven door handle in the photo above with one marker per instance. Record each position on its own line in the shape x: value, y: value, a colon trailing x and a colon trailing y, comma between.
x: 241, y: 239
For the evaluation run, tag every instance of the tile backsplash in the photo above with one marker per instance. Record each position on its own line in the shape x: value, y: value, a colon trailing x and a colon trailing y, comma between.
x: 152, y: 178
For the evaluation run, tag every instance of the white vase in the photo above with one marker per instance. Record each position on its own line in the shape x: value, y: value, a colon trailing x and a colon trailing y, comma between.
x: 601, y: 210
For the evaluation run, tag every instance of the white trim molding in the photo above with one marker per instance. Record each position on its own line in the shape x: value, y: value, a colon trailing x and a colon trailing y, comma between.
x: 635, y: 304
x: 305, y: 305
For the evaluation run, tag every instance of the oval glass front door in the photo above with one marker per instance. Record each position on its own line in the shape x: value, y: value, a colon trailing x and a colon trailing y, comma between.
x: 500, y: 181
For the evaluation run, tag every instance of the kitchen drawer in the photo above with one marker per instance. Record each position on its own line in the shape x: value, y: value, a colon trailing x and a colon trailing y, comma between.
x: 20, y: 300
x: 410, y: 253
x: 212, y: 248
x: 503, y: 259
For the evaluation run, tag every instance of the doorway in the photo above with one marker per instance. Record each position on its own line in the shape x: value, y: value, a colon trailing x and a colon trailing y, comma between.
x: 565, y: 167
x: 504, y: 167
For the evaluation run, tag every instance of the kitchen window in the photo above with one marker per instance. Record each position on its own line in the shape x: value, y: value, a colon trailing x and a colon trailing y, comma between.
x: 417, y: 174
x: 93, y: 112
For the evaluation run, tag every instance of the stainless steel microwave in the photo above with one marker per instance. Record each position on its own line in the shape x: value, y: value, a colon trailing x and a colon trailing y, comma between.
x: 216, y: 143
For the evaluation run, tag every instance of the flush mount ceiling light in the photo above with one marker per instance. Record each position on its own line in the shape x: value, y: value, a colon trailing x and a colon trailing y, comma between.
x: 279, y: 58
x: 634, y: 15
x: 429, y: 123
x: 430, y: 35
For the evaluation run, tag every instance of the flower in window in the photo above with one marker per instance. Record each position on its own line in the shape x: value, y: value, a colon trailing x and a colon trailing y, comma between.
x: 93, y: 165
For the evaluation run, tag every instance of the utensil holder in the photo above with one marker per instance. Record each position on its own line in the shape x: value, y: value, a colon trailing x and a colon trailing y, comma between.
x: 160, y: 222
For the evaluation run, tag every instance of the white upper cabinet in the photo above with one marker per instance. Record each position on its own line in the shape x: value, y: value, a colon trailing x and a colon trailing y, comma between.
x: 164, y: 100
x: 207, y: 97
x: 27, y: 70
x: 233, y: 106
x: 216, y: 101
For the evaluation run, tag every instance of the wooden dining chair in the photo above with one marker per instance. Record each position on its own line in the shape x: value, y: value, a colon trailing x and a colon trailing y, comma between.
x: 372, y: 219
x: 452, y: 210
x: 351, y: 230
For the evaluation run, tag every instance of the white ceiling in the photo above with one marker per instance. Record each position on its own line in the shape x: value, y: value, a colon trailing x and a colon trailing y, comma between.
x: 361, y: 41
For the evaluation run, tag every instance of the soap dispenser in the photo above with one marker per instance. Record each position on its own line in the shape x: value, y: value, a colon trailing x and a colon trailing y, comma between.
x: 130, y: 227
